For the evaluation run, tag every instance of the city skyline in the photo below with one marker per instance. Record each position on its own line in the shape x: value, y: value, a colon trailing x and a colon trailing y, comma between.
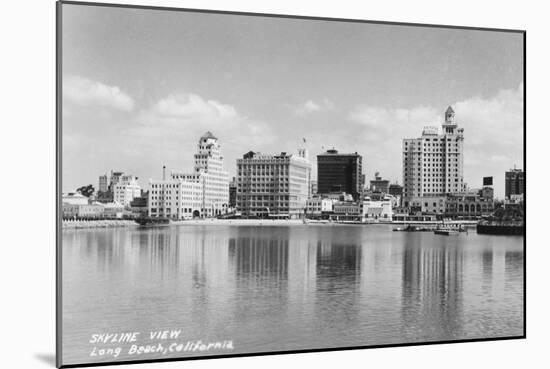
x: 137, y: 100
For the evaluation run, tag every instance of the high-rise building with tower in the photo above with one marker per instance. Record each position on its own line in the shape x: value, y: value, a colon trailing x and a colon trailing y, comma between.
x: 201, y: 193
x: 433, y: 163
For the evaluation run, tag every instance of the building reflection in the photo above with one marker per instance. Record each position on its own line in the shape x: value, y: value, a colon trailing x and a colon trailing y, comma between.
x: 338, y: 276
x: 260, y: 254
x: 513, y: 264
x: 431, y: 289
x: 487, y: 263
x: 302, y: 266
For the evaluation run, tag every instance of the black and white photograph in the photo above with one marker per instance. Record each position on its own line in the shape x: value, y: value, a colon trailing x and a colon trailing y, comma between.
x: 240, y: 184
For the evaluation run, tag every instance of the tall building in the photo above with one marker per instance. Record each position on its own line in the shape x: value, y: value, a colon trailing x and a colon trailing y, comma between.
x: 378, y: 184
x: 433, y: 163
x: 273, y: 185
x: 126, y: 189
x: 396, y: 191
x: 105, y: 193
x: 313, y: 185
x: 233, y: 193
x: 515, y: 182
x: 103, y: 183
x: 340, y: 173
x: 201, y: 193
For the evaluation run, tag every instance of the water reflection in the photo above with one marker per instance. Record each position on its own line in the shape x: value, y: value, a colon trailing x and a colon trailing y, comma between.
x: 432, y: 288
x: 282, y: 288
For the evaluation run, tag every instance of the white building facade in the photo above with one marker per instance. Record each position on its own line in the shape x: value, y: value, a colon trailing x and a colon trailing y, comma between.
x: 317, y: 206
x: 201, y: 193
x: 74, y: 198
x: 433, y: 163
x: 126, y: 189
x: 377, y: 210
x: 175, y: 199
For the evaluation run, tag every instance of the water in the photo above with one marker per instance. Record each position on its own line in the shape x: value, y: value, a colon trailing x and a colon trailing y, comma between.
x: 287, y: 288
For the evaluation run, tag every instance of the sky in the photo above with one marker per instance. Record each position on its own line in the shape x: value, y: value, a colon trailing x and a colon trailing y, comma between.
x: 141, y: 86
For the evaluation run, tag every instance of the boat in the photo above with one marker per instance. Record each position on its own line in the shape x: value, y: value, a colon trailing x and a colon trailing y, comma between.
x: 446, y: 232
x: 448, y: 229
x: 316, y: 221
x: 152, y: 221
x: 411, y: 228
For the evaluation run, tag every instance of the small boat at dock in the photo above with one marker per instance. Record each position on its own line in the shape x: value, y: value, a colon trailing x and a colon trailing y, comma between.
x: 152, y: 221
x: 411, y: 228
x: 446, y: 232
x: 450, y: 229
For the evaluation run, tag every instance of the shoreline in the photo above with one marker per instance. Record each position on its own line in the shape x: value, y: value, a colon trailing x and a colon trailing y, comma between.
x: 105, y: 223
x: 112, y: 223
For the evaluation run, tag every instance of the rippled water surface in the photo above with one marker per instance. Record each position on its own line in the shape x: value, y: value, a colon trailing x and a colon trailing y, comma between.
x: 287, y: 288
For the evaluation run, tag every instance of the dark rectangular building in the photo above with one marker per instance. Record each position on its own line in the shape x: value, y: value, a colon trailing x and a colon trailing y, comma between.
x: 515, y: 182
x: 340, y: 173
x: 379, y: 185
x: 396, y: 189
x: 233, y: 194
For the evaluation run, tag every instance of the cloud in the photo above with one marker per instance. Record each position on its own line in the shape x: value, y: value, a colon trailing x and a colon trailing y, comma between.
x: 190, y: 112
x: 85, y: 92
x: 168, y: 131
x: 493, y: 129
x: 495, y: 121
x: 185, y: 106
x: 311, y: 106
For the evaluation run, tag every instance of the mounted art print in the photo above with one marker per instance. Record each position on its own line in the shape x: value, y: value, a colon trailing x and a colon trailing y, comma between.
x: 238, y: 184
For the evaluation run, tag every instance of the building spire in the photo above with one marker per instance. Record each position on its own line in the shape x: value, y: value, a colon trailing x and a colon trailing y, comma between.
x: 449, y: 115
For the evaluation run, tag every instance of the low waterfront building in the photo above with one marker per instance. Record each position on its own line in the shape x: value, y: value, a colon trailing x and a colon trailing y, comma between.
x: 82, y: 211
x: 273, y: 185
x: 347, y: 211
x: 113, y: 210
x: 69, y: 211
x: 428, y: 204
x: 470, y: 206
x: 376, y: 209
x: 95, y: 210
x: 74, y: 198
x: 317, y: 206
x: 201, y: 193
